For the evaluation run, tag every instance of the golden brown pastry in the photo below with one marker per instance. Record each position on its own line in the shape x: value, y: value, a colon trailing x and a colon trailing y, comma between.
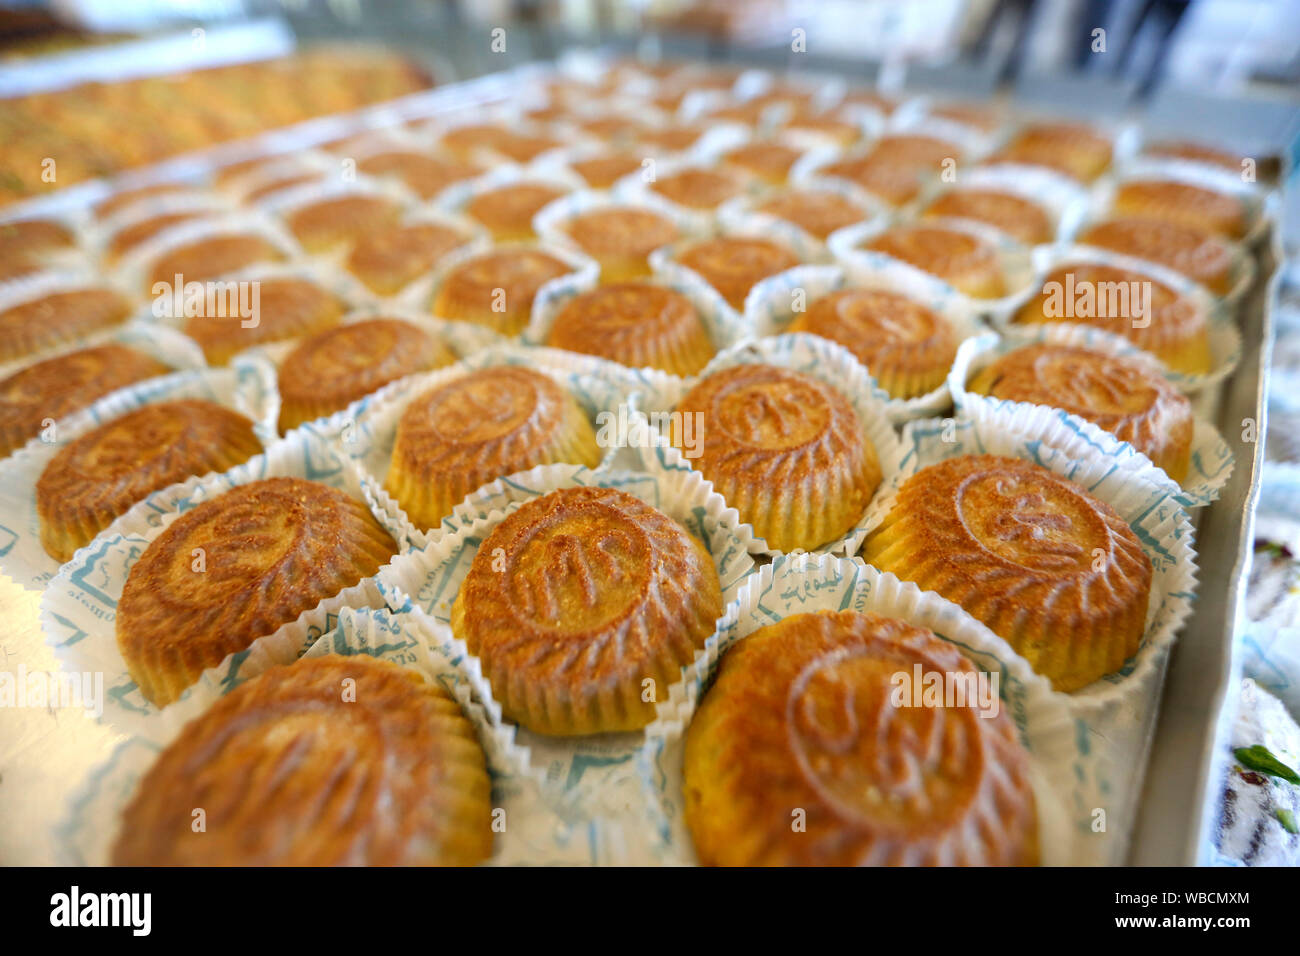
x: 675, y: 138
x: 786, y: 450
x: 601, y: 172
x: 129, y: 197
x: 524, y: 148
x: 827, y: 126
x: 287, y: 308
x: 581, y: 601
x: 508, y: 211
x: 1053, y: 571
x: 99, y: 476
x: 388, y: 260
x: 237, y: 568
x: 816, y: 212
x: 965, y: 261
x: 621, y: 239
x: 636, y: 324
x: 1126, y: 398
x: 1148, y: 313
x: 1201, y: 256
x: 466, y: 140
x: 67, y: 383
x: 896, y: 166
x: 330, y: 761
x: 1195, y: 152
x: 57, y: 318
x: 770, y: 161
x: 332, y: 369
x: 138, y: 233
x: 496, y: 289
x: 281, y: 182
x: 424, y: 174
x: 478, y: 427
x: 906, y: 346
x: 24, y: 244
x: 698, y: 188
x: 1220, y: 213
x: 1076, y: 150
x: 1022, y: 219
x: 802, y: 722
x: 208, y: 258
x: 340, y: 220
x: 735, y: 264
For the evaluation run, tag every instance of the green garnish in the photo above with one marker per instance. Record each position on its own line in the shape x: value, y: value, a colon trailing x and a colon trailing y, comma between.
x: 1261, y: 759
x: 1287, y: 819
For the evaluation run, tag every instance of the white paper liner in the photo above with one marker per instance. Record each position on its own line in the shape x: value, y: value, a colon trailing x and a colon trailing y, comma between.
x: 799, y: 352
x: 371, y: 441
x: 1260, y: 208
x: 1212, y: 460
x: 742, y: 216
x: 1064, y: 200
x: 248, y: 388
x: 768, y: 312
x: 533, y: 834
x: 1017, y: 262
x: 549, y: 223
x: 79, y: 606
x: 1064, y: 773
x: 725, y: 328
x: 585, y: 774
x: 1225, y: 339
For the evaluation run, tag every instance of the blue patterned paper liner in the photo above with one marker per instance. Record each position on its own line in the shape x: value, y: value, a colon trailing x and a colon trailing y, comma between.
x: 1212, y: 461
x: 579, y: 775
x: 800, y: 352
x: 78, y: 609
x: 247, y: 387
x: 768, y: 312
x: 1069, y: 781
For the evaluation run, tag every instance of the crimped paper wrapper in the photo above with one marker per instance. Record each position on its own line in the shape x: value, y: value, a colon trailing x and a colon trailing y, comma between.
x: 1225, y: 339
x: 1120, y: 709
x: 533, y: 834
x: 79, y: 607
x: 131, y: 274
x: 636, y: 189
x: 742, y: 216
x: 587, y: 774
x: 1064, y: 200
x: 373, y: 433
x: 768, y: 312
x: 1260, y: 204
x: 1212, y: 460
x: 1017, y: 261
x: 1064, y: 772
x: 725, y: 328
x: 549, y: 223
x: 248, y: 388
x: 799, y: 352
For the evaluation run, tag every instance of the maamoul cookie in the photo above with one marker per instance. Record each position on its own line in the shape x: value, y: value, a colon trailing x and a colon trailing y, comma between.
x: 965, y: 261
x: 388, y: 260
x: 99, y: 476
x: 816, y: 212
x: 207, y: 258
x: 698, y: 188
x: 1076, y: 150
x: 1022, y: 219
x: 1195, y: 206
x: 1053, y: 571
x: 802, y: 720
x: 1201, y: 256
x: 237, y: 568
x: 735, y: 264
x: 57, y: 318
x: 330, y: 761
x: 496, y: 289
x: 508, y: 212
x: 341, y: 220
x: 579, y: 602
x: 621, y: 239
x: 286, y: 309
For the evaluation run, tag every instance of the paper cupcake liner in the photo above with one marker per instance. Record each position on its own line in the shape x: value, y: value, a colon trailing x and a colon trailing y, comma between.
x: 1139, y: 492
x: 799, y: 352
x: 725, y: 328
x: 1212, y: 460
x: 533, y: 834
x: 132, y: 272
x: 1017, y: 262
x: 586, y: 775
x: 550, y: 221
x: 1064, y: 200
x: 79, y: 606
x: 1067, y: 778
x: 1225, y: 339
x: 248, y: 388
x: 768, y: 313
x: 742, y: 216
x: 1261, y: 206
x: 371, y: 440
